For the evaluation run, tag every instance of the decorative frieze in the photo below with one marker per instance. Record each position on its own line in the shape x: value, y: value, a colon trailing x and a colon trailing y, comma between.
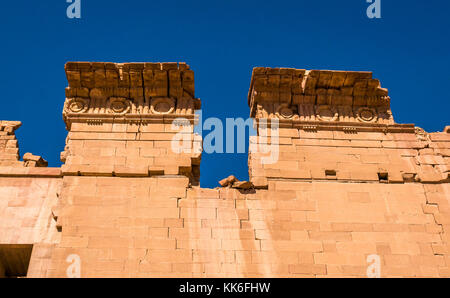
x: 118, y: 105
x: 129, y: 92
x: 162, y: 106
x: 322, y: 96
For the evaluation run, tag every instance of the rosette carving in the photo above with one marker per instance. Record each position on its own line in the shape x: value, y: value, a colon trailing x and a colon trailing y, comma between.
x: 367, y: 115
x: 162, y: 106
x: 118, y: 105
x: 285, y: 112
x: 77, y: 105
x: 327, y: 113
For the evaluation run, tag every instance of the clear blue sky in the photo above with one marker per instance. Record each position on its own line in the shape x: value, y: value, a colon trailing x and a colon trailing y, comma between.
x: 408, y: 50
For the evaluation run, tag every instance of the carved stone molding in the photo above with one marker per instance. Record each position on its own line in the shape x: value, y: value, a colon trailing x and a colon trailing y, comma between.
x: 312, y: 128
x: 118, y: 105
x: 327, y: 113
x: 131, y: 80
x: 94, y: 122
x: 349, y: 129
x: 162, y: 106
x: 318, y: 95
x: 367, y: 115
x: 105, y: 92
x: 98, y: 94
x: 284, y: 111
x: 77, y: 105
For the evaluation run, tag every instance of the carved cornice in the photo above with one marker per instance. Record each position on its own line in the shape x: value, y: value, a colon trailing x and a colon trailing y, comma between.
x: 348, y: 127
x: 318, y: 96
x: 146, y: 92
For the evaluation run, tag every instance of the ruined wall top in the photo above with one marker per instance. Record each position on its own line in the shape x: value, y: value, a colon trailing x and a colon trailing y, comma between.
x: 105, y: 92
x: 320, y: 96
x: 9, y: 127
x: 9, y: 149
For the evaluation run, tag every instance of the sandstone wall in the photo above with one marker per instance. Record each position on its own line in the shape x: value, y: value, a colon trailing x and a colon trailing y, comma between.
x: 9, y: 151
x: 27, y: 199
x: 153, y: 227
x: 349, y: 183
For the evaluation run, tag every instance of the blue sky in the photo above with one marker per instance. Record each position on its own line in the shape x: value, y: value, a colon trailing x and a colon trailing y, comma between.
x: 408, y: 50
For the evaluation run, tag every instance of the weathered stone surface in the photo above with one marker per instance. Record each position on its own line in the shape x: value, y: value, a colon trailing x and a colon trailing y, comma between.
x: 228, y: 181
x: 329, y: 97
x: 243, y: 185
x: 344, y: 186
x: 34, y: 161
x: 9, y: 150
